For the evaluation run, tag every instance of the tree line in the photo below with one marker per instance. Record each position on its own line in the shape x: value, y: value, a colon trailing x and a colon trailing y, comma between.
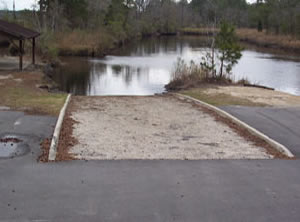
x: 131, y: 17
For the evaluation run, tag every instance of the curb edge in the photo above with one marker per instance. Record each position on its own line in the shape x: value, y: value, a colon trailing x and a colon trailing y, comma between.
x: 55, y: 138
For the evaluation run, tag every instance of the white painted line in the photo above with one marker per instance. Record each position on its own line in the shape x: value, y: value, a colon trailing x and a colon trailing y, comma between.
x: 281, y: 148
x: 55, y: 138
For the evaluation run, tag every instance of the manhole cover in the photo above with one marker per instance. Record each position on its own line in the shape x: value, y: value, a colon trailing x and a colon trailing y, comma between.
x: 11, y: 146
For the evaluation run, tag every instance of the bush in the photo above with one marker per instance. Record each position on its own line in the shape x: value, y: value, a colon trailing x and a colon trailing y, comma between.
x: 186, y: 76
x: 228, y: 47
x: 47, y: 46
x: 84, y: 42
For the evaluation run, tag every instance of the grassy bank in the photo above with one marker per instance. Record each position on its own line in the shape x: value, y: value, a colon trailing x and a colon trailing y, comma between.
x: 101, y: 42
x: 263, y: 39
x: 220, y: 90
x: 218, y: 99
x: 20, y: 91
x: 84, y: 43
x: 194, y: 82
x: 79, y: 43
x: 252, y: 36
x: 223, y: 95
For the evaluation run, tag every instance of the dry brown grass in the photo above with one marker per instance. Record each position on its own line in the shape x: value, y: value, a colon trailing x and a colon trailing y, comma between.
x: 262, y: 39
x: 187, y: 76
x: 84, y: 43
x: 269, y: 40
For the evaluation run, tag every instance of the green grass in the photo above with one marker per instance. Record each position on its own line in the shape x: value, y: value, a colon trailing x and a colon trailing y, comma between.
x: 34, y: 102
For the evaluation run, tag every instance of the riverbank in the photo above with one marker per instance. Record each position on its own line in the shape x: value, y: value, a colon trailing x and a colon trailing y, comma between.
x: 262, y: 39
x: 198, y: 31
x: 80, y: 43
x: 101, y: 43
x: 252, y: 36
x: 27, y: 91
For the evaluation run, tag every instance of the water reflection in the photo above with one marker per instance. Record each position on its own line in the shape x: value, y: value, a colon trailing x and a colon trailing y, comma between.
x: 125, y: 80
x: 281, y: 74
x: 144, y: 67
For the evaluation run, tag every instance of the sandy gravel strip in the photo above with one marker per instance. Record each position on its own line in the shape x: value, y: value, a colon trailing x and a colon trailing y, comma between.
x: 55, y: 138
x: 153, y: 127
x: 281, y: 148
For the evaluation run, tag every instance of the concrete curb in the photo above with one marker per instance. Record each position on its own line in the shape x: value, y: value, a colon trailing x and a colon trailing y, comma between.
x: 281, y: 148
x: 55, y: 138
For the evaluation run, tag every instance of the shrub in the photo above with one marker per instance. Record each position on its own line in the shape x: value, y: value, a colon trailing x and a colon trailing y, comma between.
x: 228, y: 47
x: 186, y: 76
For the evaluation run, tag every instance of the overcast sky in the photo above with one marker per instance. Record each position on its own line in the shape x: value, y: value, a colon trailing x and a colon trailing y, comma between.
x: 21, y: 4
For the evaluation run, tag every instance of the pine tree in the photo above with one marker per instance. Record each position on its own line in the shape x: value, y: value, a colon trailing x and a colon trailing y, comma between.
x: 229, y: 49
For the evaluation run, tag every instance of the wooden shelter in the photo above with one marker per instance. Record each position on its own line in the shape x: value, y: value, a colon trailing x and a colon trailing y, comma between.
x: 16, y: 32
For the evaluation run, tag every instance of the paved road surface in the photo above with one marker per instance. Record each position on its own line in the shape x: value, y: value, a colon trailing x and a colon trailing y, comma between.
x: 192, y: 191
x: 281, y: 124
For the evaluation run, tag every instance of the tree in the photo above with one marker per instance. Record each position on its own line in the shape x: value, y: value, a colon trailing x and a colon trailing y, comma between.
x: 259, y: 26
x: 229, y: 49
x: 76, y: 11
x: 116, y: 18
x: 44, y: 7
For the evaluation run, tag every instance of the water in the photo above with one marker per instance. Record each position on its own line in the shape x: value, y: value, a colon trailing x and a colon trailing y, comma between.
x: 145, y: 67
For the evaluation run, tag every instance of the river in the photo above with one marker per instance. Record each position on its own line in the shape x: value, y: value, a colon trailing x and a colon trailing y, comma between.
x: 145, y: 66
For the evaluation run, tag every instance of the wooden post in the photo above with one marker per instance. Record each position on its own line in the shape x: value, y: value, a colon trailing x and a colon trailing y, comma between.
x: 21, y: 54
x: 33, y: 51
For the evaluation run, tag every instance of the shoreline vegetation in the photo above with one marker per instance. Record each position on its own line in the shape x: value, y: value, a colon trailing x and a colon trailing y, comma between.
x: 216, y: 65
x: 207, y: 83
x: 100, y: 43
x: 98, y: 27
x: 78, y: 43
x: 253, y: 37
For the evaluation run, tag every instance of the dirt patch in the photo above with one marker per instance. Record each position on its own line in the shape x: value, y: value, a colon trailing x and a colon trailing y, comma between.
x: 157, y: 127
x: 45, y: 147
x: 240, y: 95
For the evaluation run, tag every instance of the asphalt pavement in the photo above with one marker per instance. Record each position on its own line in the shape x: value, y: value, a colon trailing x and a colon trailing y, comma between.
x: 280, y: 124
x: 136, y: 190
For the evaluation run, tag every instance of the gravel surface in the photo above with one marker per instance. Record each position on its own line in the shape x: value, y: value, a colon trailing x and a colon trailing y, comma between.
x: 157, y: 127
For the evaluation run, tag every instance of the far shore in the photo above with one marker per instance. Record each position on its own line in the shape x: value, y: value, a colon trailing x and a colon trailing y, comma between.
x: 252, y: 36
